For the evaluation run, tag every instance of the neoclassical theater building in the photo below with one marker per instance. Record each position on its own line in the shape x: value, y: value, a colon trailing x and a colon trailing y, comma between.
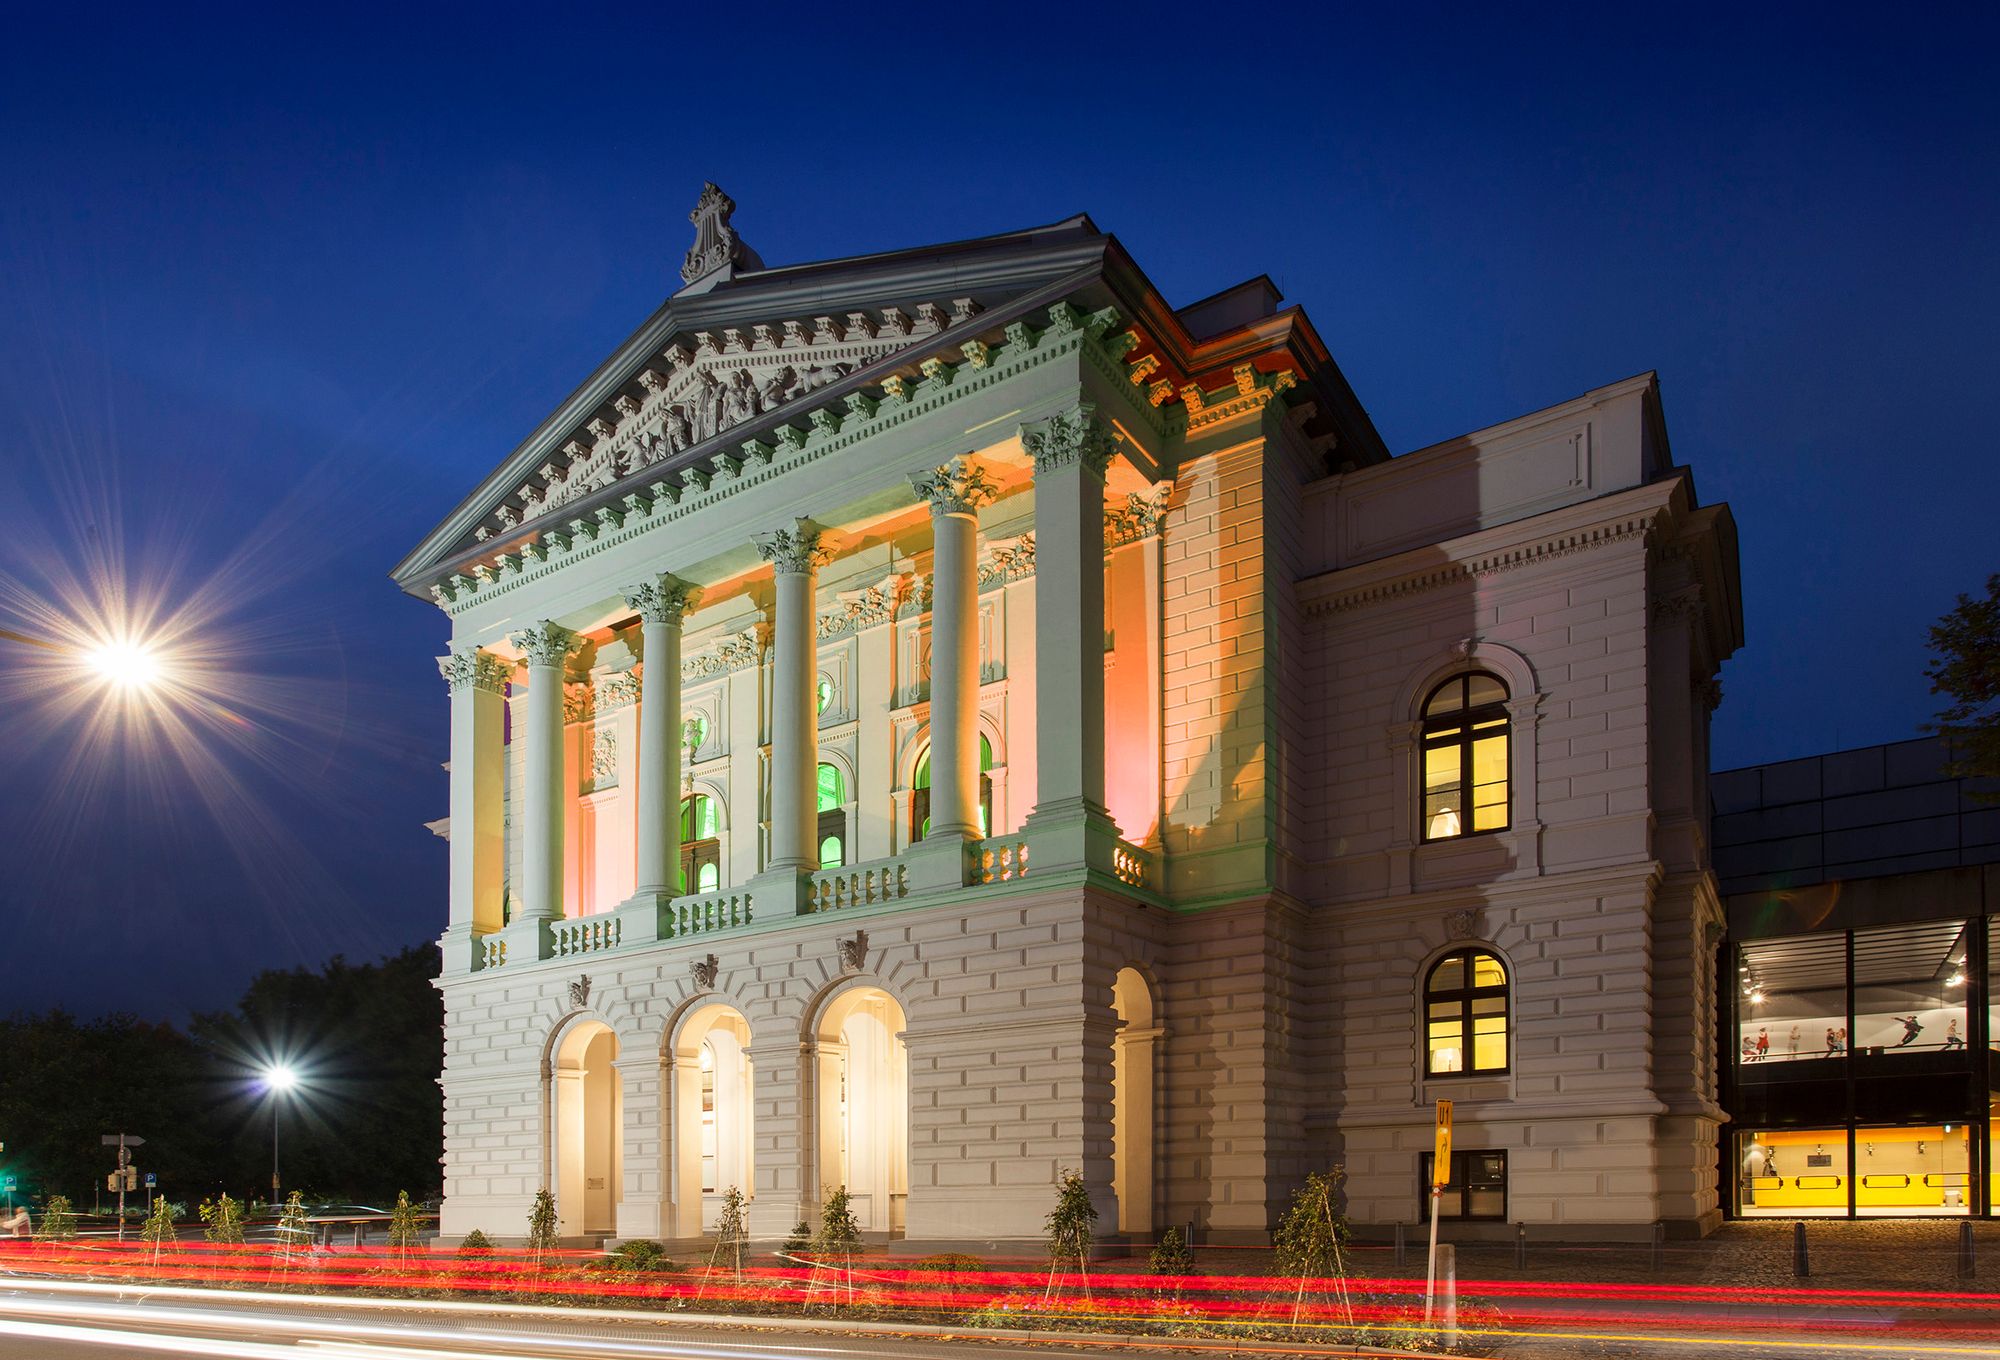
x: 926, y: 720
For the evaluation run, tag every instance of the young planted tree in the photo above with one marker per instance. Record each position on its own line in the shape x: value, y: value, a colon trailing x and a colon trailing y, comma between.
x: 475, y: 1244
x: 1966, y: 644
x: 799, y: 1243
x: 58, y: 1220
x: 1070, y: 1232
x: 158, y: 1228
x: 542, y: 1226
x: 1309, y: 1239
x: 731, y: 1232
x: 838, y: 1236
x: 294, y: 1231
x: 406, y: 1226
x: 1172, y: 1257
x: 224, y: 1218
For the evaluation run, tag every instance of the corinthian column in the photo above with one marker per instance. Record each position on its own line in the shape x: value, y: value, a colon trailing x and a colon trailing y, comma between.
x: 794, y: 555
x: 1071, y: 452
x: 661, y: 603
x: 955, y: 491
x: 477, y: 680
x: 547, y: 647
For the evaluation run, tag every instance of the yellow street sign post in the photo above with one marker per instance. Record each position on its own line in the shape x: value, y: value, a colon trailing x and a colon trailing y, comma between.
x: 1440, y: 1177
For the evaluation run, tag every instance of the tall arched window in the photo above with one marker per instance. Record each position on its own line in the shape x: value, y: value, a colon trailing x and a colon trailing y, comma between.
x: 920, y: 793
x: 1465, y: 745
x: 701, y: 844
x: 1465, y: 1015
x: 832, y: 818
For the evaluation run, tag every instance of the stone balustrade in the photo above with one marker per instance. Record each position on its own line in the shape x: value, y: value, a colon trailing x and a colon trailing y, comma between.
x: 709, y: 913
x: 583, y: 935
x: 998, y: 860
x: 857, y: 885
x: 492, y: 951
x: 1133, y: 865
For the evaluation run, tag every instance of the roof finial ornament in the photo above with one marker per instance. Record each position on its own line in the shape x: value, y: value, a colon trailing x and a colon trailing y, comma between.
x: 717, y: 251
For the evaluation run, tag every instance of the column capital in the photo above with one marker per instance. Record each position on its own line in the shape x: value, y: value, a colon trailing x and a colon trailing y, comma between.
x: 958, y: 486
x: 472, y: 668
x: 1070, y: 438
x: 546, y: 644
x: 664, y: 599
x: 794, y: 549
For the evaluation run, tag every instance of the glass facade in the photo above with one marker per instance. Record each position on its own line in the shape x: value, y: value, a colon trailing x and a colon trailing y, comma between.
x: 1859, y: 1072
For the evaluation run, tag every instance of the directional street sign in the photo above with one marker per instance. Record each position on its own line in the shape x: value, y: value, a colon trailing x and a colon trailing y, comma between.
x: 127, y: 1139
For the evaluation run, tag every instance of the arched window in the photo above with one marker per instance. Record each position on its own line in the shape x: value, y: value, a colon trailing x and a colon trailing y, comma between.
x: 701, y: 844
x: 920, y: 793
x: 832, y: 818
x: 1465, y: 1015
x: 1466, y: 736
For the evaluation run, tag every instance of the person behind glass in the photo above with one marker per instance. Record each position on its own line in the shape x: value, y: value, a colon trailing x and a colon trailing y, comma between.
x: 1951, y: 1035
x: 1833, y: 1042
x: 1763, y: 1044
x: 1912, y: 1027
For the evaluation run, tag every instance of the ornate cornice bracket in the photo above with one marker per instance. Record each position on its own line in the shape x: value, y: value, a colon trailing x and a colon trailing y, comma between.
x: 663, y: 600
x: 956, y: 487
x: 546, y: 644
x: 1075, y: 438
x: 471, y: 668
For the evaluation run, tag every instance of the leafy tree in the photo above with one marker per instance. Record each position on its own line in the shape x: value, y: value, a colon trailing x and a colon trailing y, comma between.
x: 475, y: 1243
x: 1069, y: 1230
x: 58, y: 1220
x: 159, y: 1226
x: 1966, y: 670
x: 801, y: 1240
x: 406, y: 1228
x: 1310, y: 1235
x: 542, y: 1225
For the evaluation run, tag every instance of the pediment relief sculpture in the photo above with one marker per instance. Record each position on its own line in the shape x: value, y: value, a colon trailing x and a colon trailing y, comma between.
x: 710, y: 382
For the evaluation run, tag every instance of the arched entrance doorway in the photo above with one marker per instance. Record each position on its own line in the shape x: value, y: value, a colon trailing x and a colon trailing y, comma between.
x: 713, y: 1102
x: 1132, y: 1101
x: 589, y: 1131
x: 864, y: 1106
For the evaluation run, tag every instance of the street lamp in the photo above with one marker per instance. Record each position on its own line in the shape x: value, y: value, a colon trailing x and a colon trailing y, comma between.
x: 278, y: 1079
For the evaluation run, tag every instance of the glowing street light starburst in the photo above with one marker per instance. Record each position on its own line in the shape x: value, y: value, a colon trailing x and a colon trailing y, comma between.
x: 126, y: 664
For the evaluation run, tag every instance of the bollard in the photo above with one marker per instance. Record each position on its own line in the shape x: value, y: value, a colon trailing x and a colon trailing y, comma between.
x: 1965, y: 1249
x: 1520, y: 1246
x: 1399, y: 1246
x: 1659, y: 1247
x: 359, y: 1229
x: 1800, y: 1266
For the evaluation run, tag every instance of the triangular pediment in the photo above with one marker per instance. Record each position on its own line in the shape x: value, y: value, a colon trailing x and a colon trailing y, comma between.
x: 707, y: 382
x: 719, y: 355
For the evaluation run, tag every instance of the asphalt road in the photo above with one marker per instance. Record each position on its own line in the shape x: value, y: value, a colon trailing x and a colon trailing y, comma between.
x: 73, y: 1320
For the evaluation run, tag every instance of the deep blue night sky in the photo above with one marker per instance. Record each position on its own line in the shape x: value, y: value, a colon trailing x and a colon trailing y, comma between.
x: 275, y: 291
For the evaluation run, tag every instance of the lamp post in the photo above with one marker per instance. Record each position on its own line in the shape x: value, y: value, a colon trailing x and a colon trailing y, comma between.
x: 278, y: 1080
